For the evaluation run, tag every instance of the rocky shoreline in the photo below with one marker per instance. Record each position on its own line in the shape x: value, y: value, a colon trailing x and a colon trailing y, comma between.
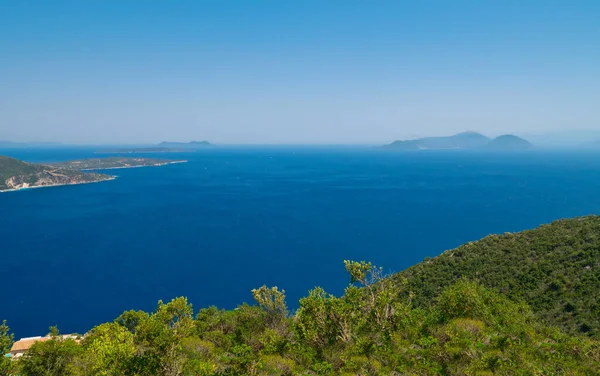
x: 27, y: 187
x: 140, y: 166
x: 16, y: 175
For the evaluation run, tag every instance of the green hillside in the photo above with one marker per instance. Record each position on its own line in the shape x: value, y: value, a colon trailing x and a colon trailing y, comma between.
x: 554, y: 268
x: 16, y: 174
x: 440, y: 317
x: 470, y: 330
x: 10, y: 167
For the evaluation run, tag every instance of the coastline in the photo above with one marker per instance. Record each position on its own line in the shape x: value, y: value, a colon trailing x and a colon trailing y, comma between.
x: 112, y: 177
x: 123, y: 167
x: 56, y: 185
x: 144, y: 152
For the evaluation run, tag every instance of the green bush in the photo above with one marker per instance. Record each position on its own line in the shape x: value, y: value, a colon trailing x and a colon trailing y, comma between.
x: 485, y: 308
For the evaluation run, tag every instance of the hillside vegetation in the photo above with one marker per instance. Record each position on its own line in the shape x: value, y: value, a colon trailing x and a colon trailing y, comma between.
x: 10, y: 167
x: 16, y: 174
x: 112, y: 162
x: 512, y: 304
x: 374, y: 329
x: 554, y: 268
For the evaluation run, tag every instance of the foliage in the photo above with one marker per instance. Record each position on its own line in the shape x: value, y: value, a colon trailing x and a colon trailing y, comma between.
x: 56, y: 357
x: 36, y: 174
x: 6, y: 341
x: 271, y: 300
x: 516, y: 304
x: 554, y: 268
x: 109, y: 350
x: 374, y: 329
x: 10, y: 167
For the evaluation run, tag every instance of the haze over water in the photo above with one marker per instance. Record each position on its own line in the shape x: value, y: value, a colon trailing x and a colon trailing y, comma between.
x: 233, y: 219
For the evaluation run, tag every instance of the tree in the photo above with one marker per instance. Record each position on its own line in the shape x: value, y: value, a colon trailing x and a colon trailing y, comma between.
x: 382, y: 291
x: 54, y: 357
x: 109, y: 350
x: 271, y: 300
x: 178, y: 315
x: 315, y: 321
x: 132, y: 319
x: 373, y: 329
x: 6, y: 342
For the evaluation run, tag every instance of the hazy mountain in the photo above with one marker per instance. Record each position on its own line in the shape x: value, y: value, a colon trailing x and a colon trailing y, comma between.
x: 565, y: 139
x: 185, y: 145
x: 17, y: 145
x: 509, y: 142
x: 465, y: 140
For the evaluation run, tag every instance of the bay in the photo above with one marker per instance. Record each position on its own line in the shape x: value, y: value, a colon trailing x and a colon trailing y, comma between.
x: 233, y: 219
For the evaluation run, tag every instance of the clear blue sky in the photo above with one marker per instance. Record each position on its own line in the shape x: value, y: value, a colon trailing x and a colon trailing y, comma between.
x: 101, y: 71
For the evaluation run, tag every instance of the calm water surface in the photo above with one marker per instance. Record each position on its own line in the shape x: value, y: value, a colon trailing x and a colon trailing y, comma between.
x: 234, y: 219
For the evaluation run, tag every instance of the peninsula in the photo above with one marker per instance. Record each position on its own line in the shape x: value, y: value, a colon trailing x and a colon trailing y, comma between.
x: 16, y: 174
x: 113, y: 163
x: 163, y: 147
x: 143, y: 150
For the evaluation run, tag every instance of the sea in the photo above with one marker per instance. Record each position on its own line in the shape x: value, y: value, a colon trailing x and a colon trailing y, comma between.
x: 236, y: 218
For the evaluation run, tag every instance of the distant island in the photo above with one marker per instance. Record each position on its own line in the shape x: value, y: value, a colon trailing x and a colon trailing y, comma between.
x: 185, y: 145
x: 22, y: 145
x: 150, y: 149
x: 16, y: 174
x: 163, y: 147
x: 113, y: 163
x: 509, y: 142
x: 465, y: 140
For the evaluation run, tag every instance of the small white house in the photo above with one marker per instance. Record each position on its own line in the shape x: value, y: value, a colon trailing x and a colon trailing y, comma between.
x: 21, y: 346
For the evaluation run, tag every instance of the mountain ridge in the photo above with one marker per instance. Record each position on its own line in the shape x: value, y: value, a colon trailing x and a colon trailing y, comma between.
x: 463, y: 140
x: 509, y: 142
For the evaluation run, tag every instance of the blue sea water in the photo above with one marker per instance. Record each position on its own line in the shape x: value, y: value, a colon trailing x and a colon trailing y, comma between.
x: 233, y: 219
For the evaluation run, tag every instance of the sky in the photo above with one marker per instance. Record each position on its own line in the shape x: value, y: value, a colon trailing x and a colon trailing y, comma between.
x: 295, y: 72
